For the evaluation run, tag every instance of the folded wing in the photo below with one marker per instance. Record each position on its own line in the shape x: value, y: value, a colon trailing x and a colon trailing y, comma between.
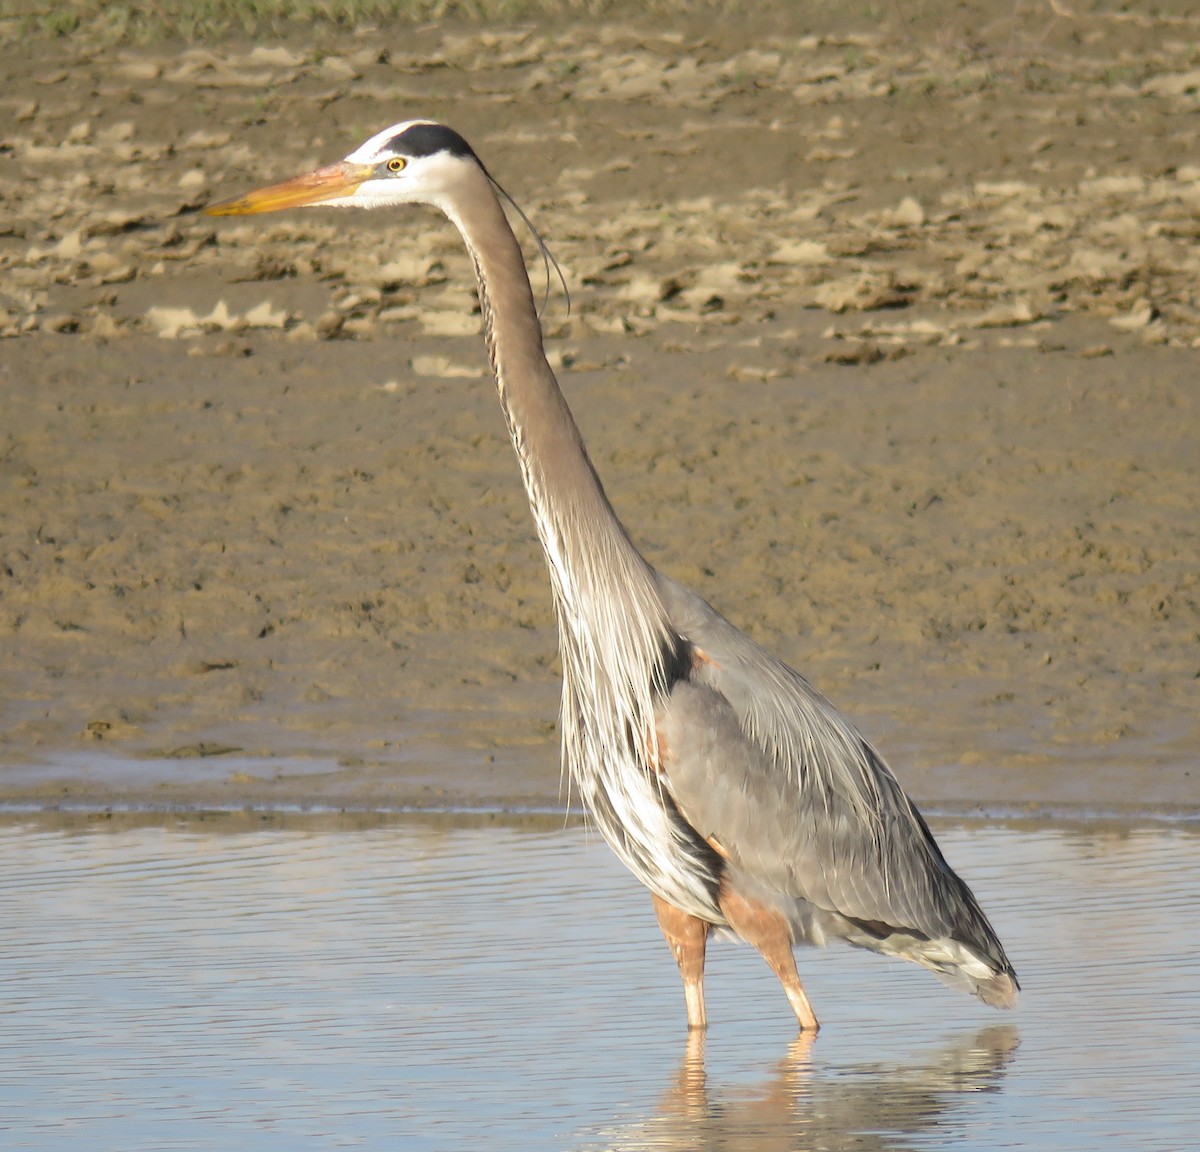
x: 807, y: 813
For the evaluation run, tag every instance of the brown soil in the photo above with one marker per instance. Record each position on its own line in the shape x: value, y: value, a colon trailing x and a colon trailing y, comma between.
x: 884, y: 338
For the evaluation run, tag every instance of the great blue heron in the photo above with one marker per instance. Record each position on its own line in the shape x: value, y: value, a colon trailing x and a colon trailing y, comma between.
x: 726, y: 783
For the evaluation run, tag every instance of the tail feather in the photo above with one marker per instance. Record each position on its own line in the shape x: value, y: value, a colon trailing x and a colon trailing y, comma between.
x: 959, y: 967
x: 1001, y: 991
x: 955, y: 964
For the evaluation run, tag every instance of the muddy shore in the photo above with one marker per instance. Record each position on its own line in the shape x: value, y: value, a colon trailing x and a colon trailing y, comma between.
x: 884, y: 339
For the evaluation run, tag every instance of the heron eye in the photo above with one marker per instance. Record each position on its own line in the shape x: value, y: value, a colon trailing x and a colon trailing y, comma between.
x: 396, y: 164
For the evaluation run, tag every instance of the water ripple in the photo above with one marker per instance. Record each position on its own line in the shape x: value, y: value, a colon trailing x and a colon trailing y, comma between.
x: 421, y: 985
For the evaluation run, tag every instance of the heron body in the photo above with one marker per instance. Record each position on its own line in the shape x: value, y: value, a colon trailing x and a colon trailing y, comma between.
x: 722, y: 779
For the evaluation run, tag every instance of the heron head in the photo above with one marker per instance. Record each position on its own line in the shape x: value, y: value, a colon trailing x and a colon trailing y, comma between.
x: 416, y: 162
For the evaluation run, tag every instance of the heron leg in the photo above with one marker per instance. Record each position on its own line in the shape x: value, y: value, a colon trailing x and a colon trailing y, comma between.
x: 686, y: 936
x: 767, y: 930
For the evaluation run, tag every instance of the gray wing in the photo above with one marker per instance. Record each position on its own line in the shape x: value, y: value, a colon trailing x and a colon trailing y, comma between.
x: 761, y: 763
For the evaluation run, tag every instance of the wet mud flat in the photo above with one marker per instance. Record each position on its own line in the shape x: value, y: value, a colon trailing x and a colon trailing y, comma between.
x: 267, y: 982
x: 883, y: 339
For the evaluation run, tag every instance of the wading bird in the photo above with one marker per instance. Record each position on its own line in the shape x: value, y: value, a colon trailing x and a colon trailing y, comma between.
x: 723, y: 780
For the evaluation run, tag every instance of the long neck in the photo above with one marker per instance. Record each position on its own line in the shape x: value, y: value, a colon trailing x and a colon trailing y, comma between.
x: 587, y: 548
x: 615, y: 638
x: 613, y: 627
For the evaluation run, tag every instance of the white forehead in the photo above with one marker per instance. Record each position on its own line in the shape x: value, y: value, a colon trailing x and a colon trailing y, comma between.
x: 371, y: 150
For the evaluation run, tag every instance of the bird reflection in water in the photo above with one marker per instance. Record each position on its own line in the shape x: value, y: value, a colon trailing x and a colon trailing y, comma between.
x: 808, y: 1104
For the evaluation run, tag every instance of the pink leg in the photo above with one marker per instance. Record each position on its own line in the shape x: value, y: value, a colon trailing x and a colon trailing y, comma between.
x: 686, y: 936
x: 767, y: 930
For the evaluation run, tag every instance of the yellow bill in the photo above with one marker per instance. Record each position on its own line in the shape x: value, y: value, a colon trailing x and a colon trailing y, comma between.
x: 326, y: 183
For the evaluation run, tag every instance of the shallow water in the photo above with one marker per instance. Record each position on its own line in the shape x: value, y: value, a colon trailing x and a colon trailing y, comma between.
x: 432, y: 984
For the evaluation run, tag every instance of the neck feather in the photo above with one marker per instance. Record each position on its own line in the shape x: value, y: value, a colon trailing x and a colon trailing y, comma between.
x: 615, y: 638
x: 592, y: 560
